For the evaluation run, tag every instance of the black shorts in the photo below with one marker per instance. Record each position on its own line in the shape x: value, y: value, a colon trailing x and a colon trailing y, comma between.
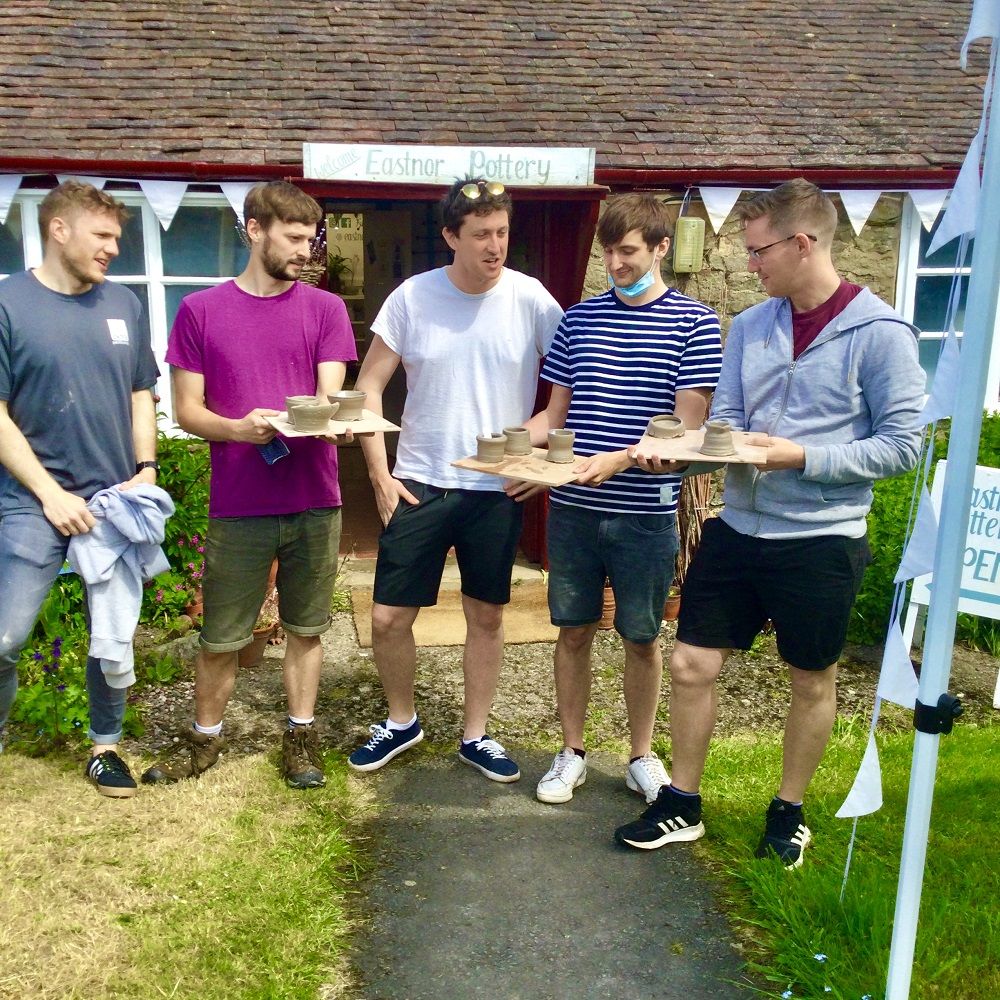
x: 484, y: 526
x: 805, y: 586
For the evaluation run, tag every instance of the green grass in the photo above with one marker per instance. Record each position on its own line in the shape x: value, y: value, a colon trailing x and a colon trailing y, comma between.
x: 787, y: 918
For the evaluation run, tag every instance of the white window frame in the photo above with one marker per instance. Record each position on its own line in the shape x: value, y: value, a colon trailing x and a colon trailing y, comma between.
x: 154, y: 279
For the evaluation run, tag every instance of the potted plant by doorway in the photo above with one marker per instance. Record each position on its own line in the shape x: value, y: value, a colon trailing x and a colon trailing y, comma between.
x: 265, y: 626
x: 672, y: 607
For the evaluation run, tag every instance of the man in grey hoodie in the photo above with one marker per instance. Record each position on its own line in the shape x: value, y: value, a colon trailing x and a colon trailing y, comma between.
x: 828, y: 376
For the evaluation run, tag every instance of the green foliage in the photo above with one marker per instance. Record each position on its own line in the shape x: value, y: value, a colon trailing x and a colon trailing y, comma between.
x: 887, y: 525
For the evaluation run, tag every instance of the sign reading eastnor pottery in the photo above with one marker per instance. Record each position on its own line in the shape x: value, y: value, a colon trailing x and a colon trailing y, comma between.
x: 511, y: 165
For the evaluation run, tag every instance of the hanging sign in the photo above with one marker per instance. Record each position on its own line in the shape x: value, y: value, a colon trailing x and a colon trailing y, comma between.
x: 390, y: 164
x: 980, y: 590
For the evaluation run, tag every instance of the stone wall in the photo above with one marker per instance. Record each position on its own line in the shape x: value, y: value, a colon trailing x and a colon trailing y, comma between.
x: 725, y: 284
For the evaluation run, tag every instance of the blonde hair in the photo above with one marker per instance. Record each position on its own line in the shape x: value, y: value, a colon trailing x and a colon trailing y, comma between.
x: 73, y: 197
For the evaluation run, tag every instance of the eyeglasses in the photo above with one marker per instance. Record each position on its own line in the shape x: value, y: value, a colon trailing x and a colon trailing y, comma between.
x: 758, y: 254
x: 475, y: 189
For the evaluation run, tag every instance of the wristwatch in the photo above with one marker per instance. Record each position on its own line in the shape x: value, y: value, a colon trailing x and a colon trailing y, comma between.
x: 155, y: 466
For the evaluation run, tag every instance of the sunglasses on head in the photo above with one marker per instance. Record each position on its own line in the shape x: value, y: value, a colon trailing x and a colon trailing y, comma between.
x: 475, y: 189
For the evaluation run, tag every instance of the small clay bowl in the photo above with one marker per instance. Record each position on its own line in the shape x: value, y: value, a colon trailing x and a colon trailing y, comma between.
x: 718, y: 439
x: 665, y: 425
x: 351, y: 403
x: 561, y: 446
x: 490, y: 448
x: 311, y: 417
x: 518, y: 440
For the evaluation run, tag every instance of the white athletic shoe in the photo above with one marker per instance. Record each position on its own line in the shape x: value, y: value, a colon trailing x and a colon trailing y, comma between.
x: 567, y: 772
x: 646, y: 776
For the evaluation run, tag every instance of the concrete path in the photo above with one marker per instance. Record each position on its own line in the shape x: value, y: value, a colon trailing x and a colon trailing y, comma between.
x: 481, y: 891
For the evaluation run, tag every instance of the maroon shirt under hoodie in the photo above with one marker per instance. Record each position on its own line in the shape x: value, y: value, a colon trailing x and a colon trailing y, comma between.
x: 807, y: 325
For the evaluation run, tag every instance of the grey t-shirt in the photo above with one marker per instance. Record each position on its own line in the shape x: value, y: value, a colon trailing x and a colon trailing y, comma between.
x: 68, y: 367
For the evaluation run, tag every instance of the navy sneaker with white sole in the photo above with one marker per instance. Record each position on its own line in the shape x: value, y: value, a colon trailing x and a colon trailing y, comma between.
x: 489, y: 758
x: 384, y: 745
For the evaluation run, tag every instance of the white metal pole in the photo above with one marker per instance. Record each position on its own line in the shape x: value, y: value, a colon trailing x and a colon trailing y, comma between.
x: 980, y: 322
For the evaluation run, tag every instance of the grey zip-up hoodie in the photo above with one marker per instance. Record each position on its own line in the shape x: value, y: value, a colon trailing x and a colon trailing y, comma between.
x: 852, y: 399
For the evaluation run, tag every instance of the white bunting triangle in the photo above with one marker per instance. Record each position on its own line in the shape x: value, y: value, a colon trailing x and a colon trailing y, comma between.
x: 236, y: 192
x: 896, y: 681
x: 9, y: 183
x: 928, y: 204
x: 859, y: 205
x: 97, y: 182
x: 918, y: 557
x: 960, y: 215
x: 164, y: 198
x: 718, y: 202
x: 944, y: 389
x: 865, y: 795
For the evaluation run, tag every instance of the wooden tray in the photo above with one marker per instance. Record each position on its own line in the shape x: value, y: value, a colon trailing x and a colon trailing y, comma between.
x: 688, y: 449
x: 531, y: 468
x: 369, y: 422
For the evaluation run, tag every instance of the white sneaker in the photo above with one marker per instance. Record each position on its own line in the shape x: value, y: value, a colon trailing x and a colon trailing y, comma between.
x: 646, y: 776
x: 567, y: 772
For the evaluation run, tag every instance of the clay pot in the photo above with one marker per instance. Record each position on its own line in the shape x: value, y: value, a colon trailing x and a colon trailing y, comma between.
x: 253, y: 655
x: 308, y: 414
x: 665, y: 425
x: 607, y: 609
x: 672, y: 607
x: 518, y: 441
x: 561, y: 446
x: 490, y: 448
x: 351, y: 403
x: 718, y: 439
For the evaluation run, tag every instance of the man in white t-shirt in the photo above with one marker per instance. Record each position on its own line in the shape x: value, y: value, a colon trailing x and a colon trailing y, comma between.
x: 470, y: 337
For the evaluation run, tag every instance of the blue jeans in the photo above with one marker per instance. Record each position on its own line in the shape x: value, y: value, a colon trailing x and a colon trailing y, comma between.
x: 636, y: 552
x: 31, y: 554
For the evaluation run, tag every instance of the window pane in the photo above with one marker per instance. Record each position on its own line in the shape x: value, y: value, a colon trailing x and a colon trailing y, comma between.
x: 944, y: 256
x: 142, y: 294
x: 928, y: 351
x: 131, y: 257
x: 931, y: 304
x: 202, y: 242
x: 11, y: 242
x: 174, y: 294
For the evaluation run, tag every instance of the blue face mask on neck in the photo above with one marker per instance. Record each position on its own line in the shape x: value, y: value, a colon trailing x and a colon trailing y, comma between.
x: 637, y: 287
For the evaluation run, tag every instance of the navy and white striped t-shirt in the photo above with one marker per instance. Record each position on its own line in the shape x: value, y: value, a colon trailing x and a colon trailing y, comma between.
x: 624, y: 365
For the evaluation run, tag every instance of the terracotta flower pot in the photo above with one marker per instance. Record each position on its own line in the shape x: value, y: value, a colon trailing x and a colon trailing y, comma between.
x: 672, y: 608
x: 253, y: 655
x: 608, y: 609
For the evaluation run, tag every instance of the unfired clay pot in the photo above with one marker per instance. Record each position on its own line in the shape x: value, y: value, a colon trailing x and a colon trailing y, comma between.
x: 561, y: 446
x: 718, y: 439
x: 518, y: 441
x: 309, y: 414
x: 351, y: 403
x: 490, y: 447
x: 665, y: 425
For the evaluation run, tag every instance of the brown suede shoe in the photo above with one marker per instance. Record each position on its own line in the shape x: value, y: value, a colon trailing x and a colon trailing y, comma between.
x: 301, y: 764
x: 192, y: 754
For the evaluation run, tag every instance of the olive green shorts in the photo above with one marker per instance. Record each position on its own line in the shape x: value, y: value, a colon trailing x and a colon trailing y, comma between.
x: 239, y: 552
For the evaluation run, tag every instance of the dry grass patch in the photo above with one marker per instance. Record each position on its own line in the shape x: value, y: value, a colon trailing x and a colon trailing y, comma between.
x: 231, y: 886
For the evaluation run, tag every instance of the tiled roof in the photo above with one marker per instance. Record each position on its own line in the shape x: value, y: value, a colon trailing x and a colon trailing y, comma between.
x: 712, y: 83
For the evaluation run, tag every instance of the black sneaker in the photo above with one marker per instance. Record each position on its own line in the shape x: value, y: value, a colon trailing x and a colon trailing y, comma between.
x: 301, y: 764
x: 671, y: 819
x: 110, y: 775
x: 785, y: 834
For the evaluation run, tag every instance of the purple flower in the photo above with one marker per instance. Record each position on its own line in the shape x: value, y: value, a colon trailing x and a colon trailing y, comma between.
x: 178, y: 586
x: 36, y: 656
x: 194, y: 539
x: 181, y: 543
x: 159, y: 595
x: 60, y: 687
x: 201, y: 548
x: 191, y: 566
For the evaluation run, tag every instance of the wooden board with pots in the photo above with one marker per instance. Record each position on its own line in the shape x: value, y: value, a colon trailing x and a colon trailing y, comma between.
x: 369, y: 423
x: 533, y: 468
x: 688, y: 449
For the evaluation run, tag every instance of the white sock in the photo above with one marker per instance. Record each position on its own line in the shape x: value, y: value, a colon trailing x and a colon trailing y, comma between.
x: 208, y: 730
x: 397, y: 726
x: 475, y: 739
x: 293, y: 722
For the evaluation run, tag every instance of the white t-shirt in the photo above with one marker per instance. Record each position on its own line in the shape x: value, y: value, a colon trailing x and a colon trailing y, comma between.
x: 471, y: 365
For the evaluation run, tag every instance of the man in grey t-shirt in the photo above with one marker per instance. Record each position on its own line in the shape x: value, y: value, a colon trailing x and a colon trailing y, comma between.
x: 76, y: 416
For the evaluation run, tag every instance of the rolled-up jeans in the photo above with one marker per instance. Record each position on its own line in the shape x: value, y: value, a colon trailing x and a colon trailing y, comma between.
x: 31, y: 554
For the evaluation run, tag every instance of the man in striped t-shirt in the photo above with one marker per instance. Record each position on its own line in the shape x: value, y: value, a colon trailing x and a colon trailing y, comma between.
x: 618, y: 359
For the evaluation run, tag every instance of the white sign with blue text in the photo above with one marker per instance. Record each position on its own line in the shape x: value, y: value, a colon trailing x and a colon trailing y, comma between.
x: 980, y: 590
x: 392, y: 164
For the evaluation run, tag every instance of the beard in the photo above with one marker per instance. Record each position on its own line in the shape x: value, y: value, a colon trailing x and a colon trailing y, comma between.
x: 277, y: 267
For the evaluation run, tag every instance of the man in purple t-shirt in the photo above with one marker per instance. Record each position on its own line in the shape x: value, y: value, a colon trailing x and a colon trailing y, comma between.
x: 236, y: 351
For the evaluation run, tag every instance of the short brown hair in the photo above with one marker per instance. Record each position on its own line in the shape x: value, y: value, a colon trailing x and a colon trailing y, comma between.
x: 455, y: 206
x: 626, y: 212
x: 73, y: 197
x: 796, y: 207
x: 279, y: 201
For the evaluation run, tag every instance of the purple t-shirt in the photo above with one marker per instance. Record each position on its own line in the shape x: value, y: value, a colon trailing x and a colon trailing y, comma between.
x: 253, y: 352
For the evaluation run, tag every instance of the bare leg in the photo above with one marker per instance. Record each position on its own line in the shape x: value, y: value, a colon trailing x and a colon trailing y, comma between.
x: 301, y: 668
x: 395, y: 657
x: 643, y: 672
x: 693, y: 708
x: 214, y: 677
x: 807, y: 729
x: 481, y: 661
x: 573, y: 679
